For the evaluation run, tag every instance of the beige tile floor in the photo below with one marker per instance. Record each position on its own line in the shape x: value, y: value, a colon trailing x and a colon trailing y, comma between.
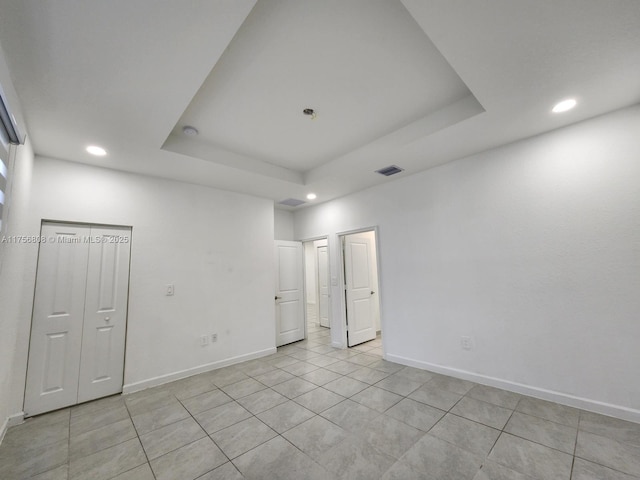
x: 314, y: 412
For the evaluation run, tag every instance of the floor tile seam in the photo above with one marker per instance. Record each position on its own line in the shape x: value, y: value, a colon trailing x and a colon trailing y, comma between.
x: 149, y: 460
x: 485, y: 456
x: 9, y: 468
x: 386, y: 389
x: 610, y: 437
x: 290, y: 428
x: 25, y: 426
x: 244, y: 396
x: 215, y: 387
x: 154, y: 409
x: 487, y: 401
x: 206, y: 436
x: 502, y: 431
x: 13, y: 469
x: 526, y: 476
x: 131, y: 417
x: 575, y: 444
x: 133, y: 468
x: 543, y: 418
x: 318, y: 413
x: 101, y: 426
x: 140, y: 441
x: 120, y: 442
x: 385, y: 410
x: 537, y: 443
x: 606, y: 466
x: 82, y: 414
x: 300, y: 450
x: 252, y: 448
x: 69, y: 443
x: 626, y: 443
x: 252, y: 415
x: 396, y: 459
x: 110, y: 446
x: 341, y: 427
x: 8, y: 446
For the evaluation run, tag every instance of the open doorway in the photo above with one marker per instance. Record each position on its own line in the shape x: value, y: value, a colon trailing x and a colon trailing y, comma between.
x: 361, y: 290
x: 317, y: 287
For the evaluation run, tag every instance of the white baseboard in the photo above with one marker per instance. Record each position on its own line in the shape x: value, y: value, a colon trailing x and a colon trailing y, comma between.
x: 3, y: 429
x: 595, y: 406
x: 170, y: 377
x: 10, y: 421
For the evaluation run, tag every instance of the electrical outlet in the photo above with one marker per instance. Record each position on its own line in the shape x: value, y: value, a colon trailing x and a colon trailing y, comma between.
x: 466, y: 343
x: 169, y: 290
x: 204, y: 340
x: 214, y: 337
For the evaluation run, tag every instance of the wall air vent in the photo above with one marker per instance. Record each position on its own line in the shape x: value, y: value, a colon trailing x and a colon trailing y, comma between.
x: 291, y: 202
x: 390, y: 170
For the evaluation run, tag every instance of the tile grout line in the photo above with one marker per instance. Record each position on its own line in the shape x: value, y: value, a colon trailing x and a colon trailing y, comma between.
x: 207, y: 435
x: 140, y: 442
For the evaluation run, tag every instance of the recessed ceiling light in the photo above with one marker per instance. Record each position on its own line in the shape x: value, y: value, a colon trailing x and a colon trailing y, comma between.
x: 311, y: 196
x: 97, y: 151
x: 564, y: 105
x: 190, y: 131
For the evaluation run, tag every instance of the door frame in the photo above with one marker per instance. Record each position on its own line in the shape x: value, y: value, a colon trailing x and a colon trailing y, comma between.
x: 33, y: 295
x: 343, y: 281
x: 304, y: 273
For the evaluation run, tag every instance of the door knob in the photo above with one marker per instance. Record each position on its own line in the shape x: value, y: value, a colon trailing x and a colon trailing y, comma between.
x: 106, y: 319
x: 372, y: 292
x: 278, y: 298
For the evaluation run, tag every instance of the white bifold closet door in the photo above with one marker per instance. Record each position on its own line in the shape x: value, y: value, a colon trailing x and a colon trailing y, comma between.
x: 79, y: 318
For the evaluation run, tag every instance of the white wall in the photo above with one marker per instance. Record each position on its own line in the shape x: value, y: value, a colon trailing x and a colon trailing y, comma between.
x: 15, y: 272
x: 12, y: 256
x: 283, y: 224
x: 215, y: 246
x: 532, y: 249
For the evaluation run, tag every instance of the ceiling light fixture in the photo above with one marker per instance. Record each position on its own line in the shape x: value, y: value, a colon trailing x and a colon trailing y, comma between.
x: 97, y: 151
x: 190, y: 131
x: 564, y: 105
x: 310, y: 112
x: 311, y: 196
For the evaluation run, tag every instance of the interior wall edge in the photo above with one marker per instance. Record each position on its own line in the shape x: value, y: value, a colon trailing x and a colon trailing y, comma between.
x: 618, y: 411
x: 207, y: 367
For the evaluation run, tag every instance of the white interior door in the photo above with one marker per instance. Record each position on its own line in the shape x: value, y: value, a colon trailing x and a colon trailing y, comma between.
x: 105, y: 314
x: 79, y: 316
x: 360, y: 290
x: 58, y: 311
x: 323, y: 285
x: 289, y: 292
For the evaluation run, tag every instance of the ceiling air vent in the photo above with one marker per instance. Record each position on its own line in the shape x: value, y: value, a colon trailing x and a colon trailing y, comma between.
x: 291, y: 202
x: 390, y: 170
